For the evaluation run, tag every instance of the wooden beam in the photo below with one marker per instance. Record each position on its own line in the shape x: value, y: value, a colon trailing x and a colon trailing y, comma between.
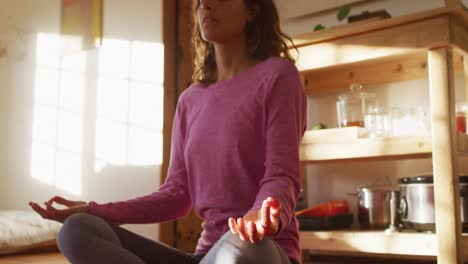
x: 188, y: 229
x: 459, y: 35
x: 166, y: 230
x: 178, y: 64
x: 465, y: 69
x: 462, y: 138
x: 446, y: 182
x: 401, y: 40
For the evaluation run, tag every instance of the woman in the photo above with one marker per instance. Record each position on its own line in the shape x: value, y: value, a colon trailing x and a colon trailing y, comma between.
x: 234, y: 155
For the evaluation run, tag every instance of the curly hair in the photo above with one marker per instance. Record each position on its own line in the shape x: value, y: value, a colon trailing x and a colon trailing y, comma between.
x: 263, y: 34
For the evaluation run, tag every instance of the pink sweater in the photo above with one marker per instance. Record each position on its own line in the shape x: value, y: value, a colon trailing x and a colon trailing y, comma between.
x: 234, y: 143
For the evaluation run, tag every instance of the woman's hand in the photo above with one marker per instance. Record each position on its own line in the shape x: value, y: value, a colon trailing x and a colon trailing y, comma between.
x: 257, y: 224
x: 59, y: 215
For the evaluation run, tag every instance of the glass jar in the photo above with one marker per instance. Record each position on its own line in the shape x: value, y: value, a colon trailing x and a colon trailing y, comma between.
x: 352, y: 106
x: 377, y: 122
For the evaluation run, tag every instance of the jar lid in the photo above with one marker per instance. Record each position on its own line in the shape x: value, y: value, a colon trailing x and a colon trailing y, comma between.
x: 356, y: 92
x: 426, y: 179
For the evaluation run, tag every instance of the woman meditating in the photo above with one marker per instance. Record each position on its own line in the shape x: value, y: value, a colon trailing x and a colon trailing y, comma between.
x: 234, y: 155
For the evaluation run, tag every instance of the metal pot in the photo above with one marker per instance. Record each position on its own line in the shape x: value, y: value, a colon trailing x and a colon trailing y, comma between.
x: 417, y: 203
x: 377, y: 207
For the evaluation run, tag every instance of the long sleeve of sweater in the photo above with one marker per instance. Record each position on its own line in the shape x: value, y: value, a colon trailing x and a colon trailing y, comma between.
x: 285, y: 117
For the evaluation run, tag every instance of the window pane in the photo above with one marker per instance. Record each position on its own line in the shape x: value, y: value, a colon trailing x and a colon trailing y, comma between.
x: 114, y: 58
x: 111, y: 141
x: 146, y: 106
x: 46, y: 86
x: 75, y: 62
x: 145, y: 147
x: 70, y: 130
x: 112, y: 99
x: 147, y: 62
x: 45, y: 124
x: 48, y: 50
x: 69, y: 172
x: 43, y: 162
x: 72, y: 87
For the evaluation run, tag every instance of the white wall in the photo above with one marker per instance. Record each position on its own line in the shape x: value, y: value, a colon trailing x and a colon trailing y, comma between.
x: 129, y: 26
x: 334, y: 180
x: 306, y: 23
x: 3, y: 112
x: 3, y: 128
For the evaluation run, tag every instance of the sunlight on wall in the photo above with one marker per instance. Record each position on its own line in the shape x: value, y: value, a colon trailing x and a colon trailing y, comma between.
x: 58, y: 115
x: 326, y: 54
x: 129, y: 119
x: 128, y: 113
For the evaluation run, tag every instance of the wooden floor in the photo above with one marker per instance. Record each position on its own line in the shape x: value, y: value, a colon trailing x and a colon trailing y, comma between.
x: 44, y: 258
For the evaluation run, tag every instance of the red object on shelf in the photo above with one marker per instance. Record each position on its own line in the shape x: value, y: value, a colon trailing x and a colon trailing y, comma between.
x: 461, y: 123
x: 335, y: 207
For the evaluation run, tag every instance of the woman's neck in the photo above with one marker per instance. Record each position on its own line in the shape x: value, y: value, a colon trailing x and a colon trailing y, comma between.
x: 232, y: 58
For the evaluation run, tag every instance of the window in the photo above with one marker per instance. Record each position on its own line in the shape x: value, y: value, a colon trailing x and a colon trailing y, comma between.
x: 129, y: 122
x: 112, y: 108
x: 56, y: 154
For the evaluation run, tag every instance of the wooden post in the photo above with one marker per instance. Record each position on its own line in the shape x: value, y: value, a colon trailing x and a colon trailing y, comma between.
x: 177, y: 30
x: 167, y: 230
x: 446, y: 182
x: 189, y: 228
x: 465, y: 68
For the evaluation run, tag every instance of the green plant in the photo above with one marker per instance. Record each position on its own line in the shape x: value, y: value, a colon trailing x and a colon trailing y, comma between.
x: 319, y: 27
x: 342, y: 14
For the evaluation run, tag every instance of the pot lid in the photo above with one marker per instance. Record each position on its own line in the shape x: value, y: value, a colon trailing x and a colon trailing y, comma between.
x: 379, y: 188
x: 426, y: 179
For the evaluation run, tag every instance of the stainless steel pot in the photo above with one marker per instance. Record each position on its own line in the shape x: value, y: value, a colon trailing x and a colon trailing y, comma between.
x: 375, y: 207
x: 417, y: 202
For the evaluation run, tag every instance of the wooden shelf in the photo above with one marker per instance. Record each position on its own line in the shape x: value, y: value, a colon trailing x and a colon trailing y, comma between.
x: 424, y: 45
x: 365, y: 148
x: 373, y: 242
x: 352, y: 29
x: 383, y: 70
x: 334, y: 58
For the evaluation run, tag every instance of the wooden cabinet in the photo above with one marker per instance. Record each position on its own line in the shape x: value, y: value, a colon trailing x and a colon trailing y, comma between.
x: 432, y: 45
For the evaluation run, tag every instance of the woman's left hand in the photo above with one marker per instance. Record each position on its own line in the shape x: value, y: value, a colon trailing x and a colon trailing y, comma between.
x: 257, y: 224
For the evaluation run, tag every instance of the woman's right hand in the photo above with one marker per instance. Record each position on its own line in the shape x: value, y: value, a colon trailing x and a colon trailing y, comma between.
x: 59, y: 215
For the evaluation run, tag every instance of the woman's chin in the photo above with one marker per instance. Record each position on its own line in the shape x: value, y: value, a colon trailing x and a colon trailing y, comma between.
x: 210, y: 38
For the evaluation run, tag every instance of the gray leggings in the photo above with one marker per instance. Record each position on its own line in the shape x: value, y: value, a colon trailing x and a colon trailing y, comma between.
x: 87, y: 239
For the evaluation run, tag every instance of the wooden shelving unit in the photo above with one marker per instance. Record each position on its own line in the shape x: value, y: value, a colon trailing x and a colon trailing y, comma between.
x: 374, y: 242
x: 409, y: 147
x: 368, y: 148
x: 431, y: 44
